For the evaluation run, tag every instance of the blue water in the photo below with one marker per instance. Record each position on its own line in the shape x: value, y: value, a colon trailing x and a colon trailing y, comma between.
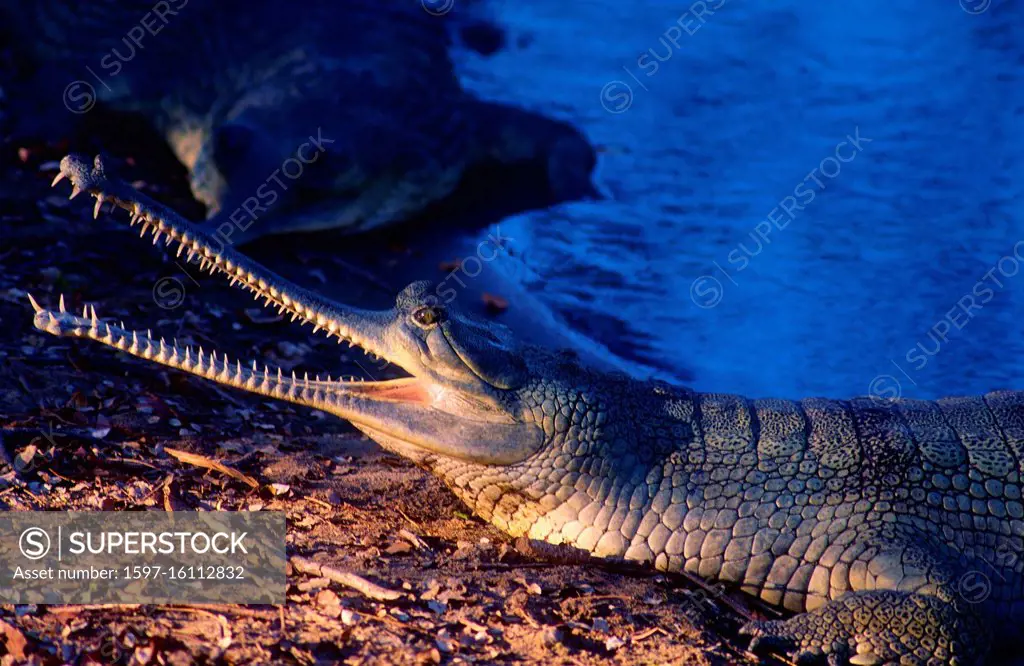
x: 735, y: 117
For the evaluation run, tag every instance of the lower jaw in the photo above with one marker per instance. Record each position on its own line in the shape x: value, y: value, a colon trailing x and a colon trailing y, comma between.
x: 396, y: 446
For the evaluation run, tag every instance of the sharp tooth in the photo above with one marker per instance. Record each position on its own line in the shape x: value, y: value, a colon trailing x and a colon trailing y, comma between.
x: 75, y: 191
x: 135, y: 218
x: 52, y: 321
x: 254, y: 365
x: 95, y: 319
x: 156, y: 236
x: 56, y: 179
x: 62, y: 303
x: 85, y: 312
x: 35, y: 306
x: 99, y: 205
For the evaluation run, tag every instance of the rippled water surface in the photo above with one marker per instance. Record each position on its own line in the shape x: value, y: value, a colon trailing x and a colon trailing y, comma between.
x: 705, y: 143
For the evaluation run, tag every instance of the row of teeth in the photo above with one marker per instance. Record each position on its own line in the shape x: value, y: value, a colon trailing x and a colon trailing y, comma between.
x: 212, y: 262
x: 185, y: 358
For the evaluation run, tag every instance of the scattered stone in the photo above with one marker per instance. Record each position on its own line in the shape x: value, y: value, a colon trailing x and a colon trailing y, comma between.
x: 613, y: 643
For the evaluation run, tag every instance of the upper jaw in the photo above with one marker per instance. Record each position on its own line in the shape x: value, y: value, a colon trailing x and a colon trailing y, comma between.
x: 364, y: 328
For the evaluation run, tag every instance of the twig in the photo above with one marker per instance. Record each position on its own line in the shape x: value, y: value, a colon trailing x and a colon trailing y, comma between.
x: 348, y: 579
x: 167, y: 493
x: 644, y: 635
x: 227, y: 609
x: 411, y: 521
x: 322, y: 503
x: 78, y: 608
x: 74, y: 433
x: 128, y: 462
x: 210, y: 463
x: 413, y: 539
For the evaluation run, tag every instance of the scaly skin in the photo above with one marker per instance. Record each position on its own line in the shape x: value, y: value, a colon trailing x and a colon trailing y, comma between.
x: 894, y: 528
x: 239, y: 87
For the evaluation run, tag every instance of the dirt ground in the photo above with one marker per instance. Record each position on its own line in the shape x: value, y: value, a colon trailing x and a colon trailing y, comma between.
x: 86, y: 428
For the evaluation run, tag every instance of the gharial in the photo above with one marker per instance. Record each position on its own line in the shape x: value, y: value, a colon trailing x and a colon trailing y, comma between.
x: 895, y: 528
x: 289, y: 117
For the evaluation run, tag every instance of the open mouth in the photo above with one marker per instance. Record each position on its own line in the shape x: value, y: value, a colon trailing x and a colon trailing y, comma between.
x: 402, y: 410
x: 416, y: 411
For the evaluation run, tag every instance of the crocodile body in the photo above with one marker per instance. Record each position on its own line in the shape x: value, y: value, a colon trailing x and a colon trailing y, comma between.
x: 291, y: 118
x: 894, y: 528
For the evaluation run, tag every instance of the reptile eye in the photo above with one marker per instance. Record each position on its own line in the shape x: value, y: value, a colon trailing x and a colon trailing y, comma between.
x: 427, y: 316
